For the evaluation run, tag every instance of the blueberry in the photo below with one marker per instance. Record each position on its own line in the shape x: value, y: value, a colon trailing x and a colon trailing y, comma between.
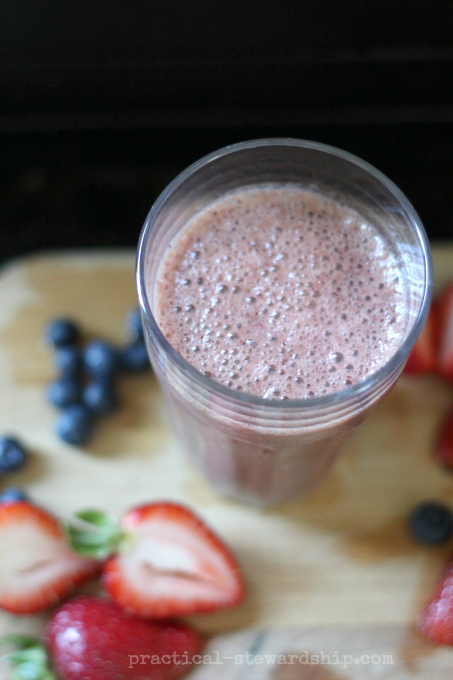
x: 12, y: 494
x: 134, y: 358
x: 12, y: 454
x: 99, y: 397
x: 431, y: 523
x: 61, y: 332
x: 64, y: 392
x: 100, y: 358
x: 68, y: 359
x: 75, y: 425
x: 134, y: 325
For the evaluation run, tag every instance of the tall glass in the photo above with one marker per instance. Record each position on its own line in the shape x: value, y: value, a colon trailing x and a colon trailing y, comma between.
x: 259, y: 450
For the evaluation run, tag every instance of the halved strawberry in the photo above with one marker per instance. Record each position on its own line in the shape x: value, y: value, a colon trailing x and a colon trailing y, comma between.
x: 166, y: 562
x: 423, y: 356
x: 445, y: 353
x: 436, y: 618
x: 443, y: 449
x: 37, y: 567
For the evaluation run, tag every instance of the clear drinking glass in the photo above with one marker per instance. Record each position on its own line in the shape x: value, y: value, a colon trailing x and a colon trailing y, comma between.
x: 259, y: 450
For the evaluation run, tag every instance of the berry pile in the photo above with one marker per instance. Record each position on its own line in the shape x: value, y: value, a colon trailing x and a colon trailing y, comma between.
x: 86, y: 386
x: 156, y: 562
x: 431, y: 523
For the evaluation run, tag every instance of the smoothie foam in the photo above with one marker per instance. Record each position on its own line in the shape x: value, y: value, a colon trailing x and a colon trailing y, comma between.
x: 282, y: 293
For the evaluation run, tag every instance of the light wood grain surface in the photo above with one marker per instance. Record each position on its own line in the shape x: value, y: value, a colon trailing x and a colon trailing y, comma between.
x: 339, y: 558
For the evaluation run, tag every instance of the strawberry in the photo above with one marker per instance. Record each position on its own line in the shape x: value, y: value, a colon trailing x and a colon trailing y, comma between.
x: 436, y: 618
x: 443, y: 450
x: 165, y: 561
x: 37, y: 567
x: 423, y: 356
x: 445, y: 353
x: 90, y: 638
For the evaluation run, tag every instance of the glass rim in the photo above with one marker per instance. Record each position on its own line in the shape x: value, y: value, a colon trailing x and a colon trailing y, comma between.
x: 304, y: 403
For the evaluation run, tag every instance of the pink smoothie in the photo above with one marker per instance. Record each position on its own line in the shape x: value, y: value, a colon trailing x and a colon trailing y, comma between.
x: 281, y: 293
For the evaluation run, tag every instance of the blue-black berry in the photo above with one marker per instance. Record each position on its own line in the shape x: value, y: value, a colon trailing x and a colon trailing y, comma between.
x: 100, y: 397
x: 100, y: 358
x: 68, y: 360
x: 12, y: 494
x: 431, y: 523
x: 134, y: 358
x: 64, y: 392
x: 61, y: 332
x: 75, y: 425
x: 134, y: 325
x: 12, y: 454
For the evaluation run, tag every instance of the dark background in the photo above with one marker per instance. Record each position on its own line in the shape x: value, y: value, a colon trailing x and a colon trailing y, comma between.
x: 103, y: 103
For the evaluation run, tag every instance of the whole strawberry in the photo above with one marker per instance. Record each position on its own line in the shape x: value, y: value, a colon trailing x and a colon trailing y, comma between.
x: 436, y: 618
x: 91, y: 638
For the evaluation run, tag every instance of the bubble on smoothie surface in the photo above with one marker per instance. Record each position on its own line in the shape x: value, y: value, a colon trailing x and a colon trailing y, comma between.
x: 281, y: 292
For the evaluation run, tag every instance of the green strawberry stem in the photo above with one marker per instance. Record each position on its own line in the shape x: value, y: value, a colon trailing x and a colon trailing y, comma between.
x: 29, y: 660
x: 95, y: 534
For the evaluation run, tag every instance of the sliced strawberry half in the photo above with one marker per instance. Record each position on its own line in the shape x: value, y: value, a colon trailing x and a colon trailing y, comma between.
x: 37, y: 567
x: 445, y: 352
x: 173, y: 565
x: 423, y: 356
x: 166, y: 562
x: 436, y: 618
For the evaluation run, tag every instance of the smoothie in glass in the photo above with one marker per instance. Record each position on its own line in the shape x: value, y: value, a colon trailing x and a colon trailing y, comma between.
x: 281, y: 293
x: 282, y: 289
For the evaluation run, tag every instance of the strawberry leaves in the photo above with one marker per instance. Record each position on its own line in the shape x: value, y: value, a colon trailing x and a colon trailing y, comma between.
x: 95, y: 534
x: 29, y: 659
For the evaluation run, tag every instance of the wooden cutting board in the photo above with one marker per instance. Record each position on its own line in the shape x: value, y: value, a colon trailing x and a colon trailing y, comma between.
x: 338, y: 560
x: 378, y: 652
